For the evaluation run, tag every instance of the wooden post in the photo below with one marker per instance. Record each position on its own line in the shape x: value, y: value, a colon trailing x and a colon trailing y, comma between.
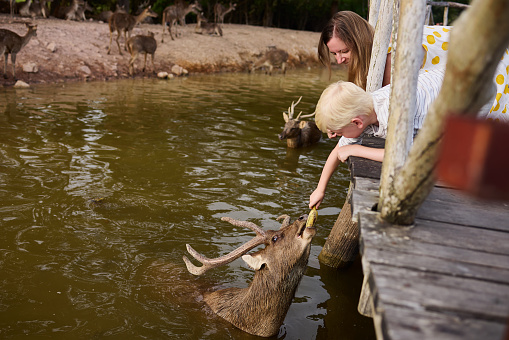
x: 403, y: 93
x: 374, y: 10
x: 446, y: 16
x: 477, y: 44
x: 342, y: 245
x: 380, y: 46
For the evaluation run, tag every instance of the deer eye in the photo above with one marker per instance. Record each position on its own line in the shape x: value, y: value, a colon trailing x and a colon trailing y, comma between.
x: 301, y: 218
x: 275, y: 238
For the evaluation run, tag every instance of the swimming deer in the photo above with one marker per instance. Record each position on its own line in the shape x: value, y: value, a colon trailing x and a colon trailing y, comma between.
x: 299, y: 133
x: 260, y: 309
x: 272, y: 58
x: 11, y: 43
x: 178, y: 12
x: 203, y: 26
x: 220, y: 11
x: 120, y: 21
x: 141, y: 44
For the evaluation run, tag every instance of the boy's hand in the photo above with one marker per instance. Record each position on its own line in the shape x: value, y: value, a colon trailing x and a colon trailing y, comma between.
x: 316, y: 198
x: 345, y: 151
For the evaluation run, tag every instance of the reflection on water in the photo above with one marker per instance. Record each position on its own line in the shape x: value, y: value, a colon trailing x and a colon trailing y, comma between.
x: 103, y: 184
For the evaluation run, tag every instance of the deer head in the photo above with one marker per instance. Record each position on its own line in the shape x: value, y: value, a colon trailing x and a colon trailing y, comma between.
x: 260, y: 309
x: 298, y: 132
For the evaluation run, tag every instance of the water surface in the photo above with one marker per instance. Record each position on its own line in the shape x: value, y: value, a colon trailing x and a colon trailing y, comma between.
x: 103, y: 184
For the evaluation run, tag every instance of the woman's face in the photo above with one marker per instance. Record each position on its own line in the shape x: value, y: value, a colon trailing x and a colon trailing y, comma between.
x: 339, y: 49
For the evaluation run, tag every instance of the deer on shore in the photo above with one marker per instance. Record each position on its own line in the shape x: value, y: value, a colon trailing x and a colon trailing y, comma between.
x: 80, y: 12
x: 123, y: 22
x: 11, y: 43
x: 204, y: 27
x: 24, y: 9
x: 141, y: 44
x: 178, y: 12
x: 70, y: 12
x: 299, y: 133
x: 220, y: 11
x: 260, y: 309
x: 40, y: 8
x: 272, y: 58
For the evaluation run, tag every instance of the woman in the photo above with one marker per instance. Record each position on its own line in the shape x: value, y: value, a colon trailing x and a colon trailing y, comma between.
x: 349, y: 38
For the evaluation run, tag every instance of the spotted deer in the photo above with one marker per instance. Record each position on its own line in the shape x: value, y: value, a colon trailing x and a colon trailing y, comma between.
x: 299, y: 133
x: 260, y: 309
x: 11, y: 43
x: 204, y: 27
x: 178, y: 12
x: 272, y: 58
x: 220, y: 11
x: 124, y: 22
x: 141, y: 44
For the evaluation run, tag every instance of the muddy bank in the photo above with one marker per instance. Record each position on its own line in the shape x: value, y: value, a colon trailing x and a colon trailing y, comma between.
x: 66, y: 51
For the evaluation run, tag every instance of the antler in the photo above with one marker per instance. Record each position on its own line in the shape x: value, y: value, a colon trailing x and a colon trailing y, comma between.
x: 220, y: 261
x: 290, y: 109
x: 305, y: 116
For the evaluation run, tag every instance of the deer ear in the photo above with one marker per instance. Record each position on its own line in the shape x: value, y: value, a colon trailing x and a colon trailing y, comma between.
x: 285, y: 116
x: 254, y: 262
x: 302, y: 124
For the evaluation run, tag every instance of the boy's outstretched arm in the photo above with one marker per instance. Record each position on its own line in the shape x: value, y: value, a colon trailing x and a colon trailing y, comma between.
x: 360, y: 151
x: 328, y: 169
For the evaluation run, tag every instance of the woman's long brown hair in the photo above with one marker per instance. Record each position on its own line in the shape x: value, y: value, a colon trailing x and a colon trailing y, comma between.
x: 357, y: 34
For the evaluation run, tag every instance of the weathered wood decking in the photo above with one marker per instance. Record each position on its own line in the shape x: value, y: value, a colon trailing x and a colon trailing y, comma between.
x: 446, y: 277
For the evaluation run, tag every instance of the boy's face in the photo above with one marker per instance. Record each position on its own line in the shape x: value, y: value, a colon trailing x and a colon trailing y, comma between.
x: 352, y: 130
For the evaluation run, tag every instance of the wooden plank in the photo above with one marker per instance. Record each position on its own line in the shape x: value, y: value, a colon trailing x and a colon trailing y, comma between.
x: 440, y: 293
x: 404, y: 324
x: 481, y: 215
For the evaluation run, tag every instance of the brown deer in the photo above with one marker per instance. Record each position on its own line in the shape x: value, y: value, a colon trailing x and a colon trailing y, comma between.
x: 272, y: 58
x: 204, y: 27
x: 299, y: 133
x: 40, y: 8
x: 220, y: 11
x: 178, y: 12
x: 69, y: 12
x: 80, y: 12
x: 24, y: 9
x: 141, y: 44
x: 11, y: 43
x: 120, y: 21
x: 260, y: 309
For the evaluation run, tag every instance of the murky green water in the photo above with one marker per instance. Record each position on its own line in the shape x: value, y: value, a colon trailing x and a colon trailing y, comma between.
x: 103, y: 184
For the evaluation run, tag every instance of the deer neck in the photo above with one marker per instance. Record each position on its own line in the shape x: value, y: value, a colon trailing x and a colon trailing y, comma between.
x: 26, y: 38
x: 140, y: 17
x: 293, y: 142
x: 260, y: 308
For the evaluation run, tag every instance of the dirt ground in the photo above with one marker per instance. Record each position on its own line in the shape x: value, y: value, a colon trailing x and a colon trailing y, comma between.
x: 66, y: 51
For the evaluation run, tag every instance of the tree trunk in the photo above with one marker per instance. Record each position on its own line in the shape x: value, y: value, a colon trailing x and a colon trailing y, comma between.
x: 478, y: 41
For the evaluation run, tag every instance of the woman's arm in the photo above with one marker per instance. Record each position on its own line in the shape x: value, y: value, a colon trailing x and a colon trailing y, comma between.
x: 387, y: 72
x: 328, y: 170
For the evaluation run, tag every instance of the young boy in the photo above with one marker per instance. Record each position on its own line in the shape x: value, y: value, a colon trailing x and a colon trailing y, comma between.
x: 346, y: 110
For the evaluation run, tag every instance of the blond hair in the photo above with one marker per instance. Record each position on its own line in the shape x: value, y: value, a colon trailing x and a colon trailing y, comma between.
x: 357, y: 34
x: 341, y: 102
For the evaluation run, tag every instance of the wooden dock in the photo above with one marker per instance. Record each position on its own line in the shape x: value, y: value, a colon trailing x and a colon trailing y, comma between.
x: 447, y: 276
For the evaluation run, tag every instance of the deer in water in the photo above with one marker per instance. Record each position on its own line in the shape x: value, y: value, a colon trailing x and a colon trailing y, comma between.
x: 299, y: 133
x: 260, y: 309
x: 204, y: 27
x: 178, y: 12
x: 272, y: 58
x: 11, y: 43
x: 220, y: 11
x: 120, y: 21
x: 141, y: 44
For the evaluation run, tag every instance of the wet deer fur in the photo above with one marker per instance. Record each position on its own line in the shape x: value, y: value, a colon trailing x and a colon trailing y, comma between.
x: 11, y: 43
x: 299, y: 133
x: 260, y: 309
x: 123, y: 22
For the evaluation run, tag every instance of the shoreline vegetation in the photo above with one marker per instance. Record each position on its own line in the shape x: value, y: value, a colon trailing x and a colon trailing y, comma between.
x: 72, y: 51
